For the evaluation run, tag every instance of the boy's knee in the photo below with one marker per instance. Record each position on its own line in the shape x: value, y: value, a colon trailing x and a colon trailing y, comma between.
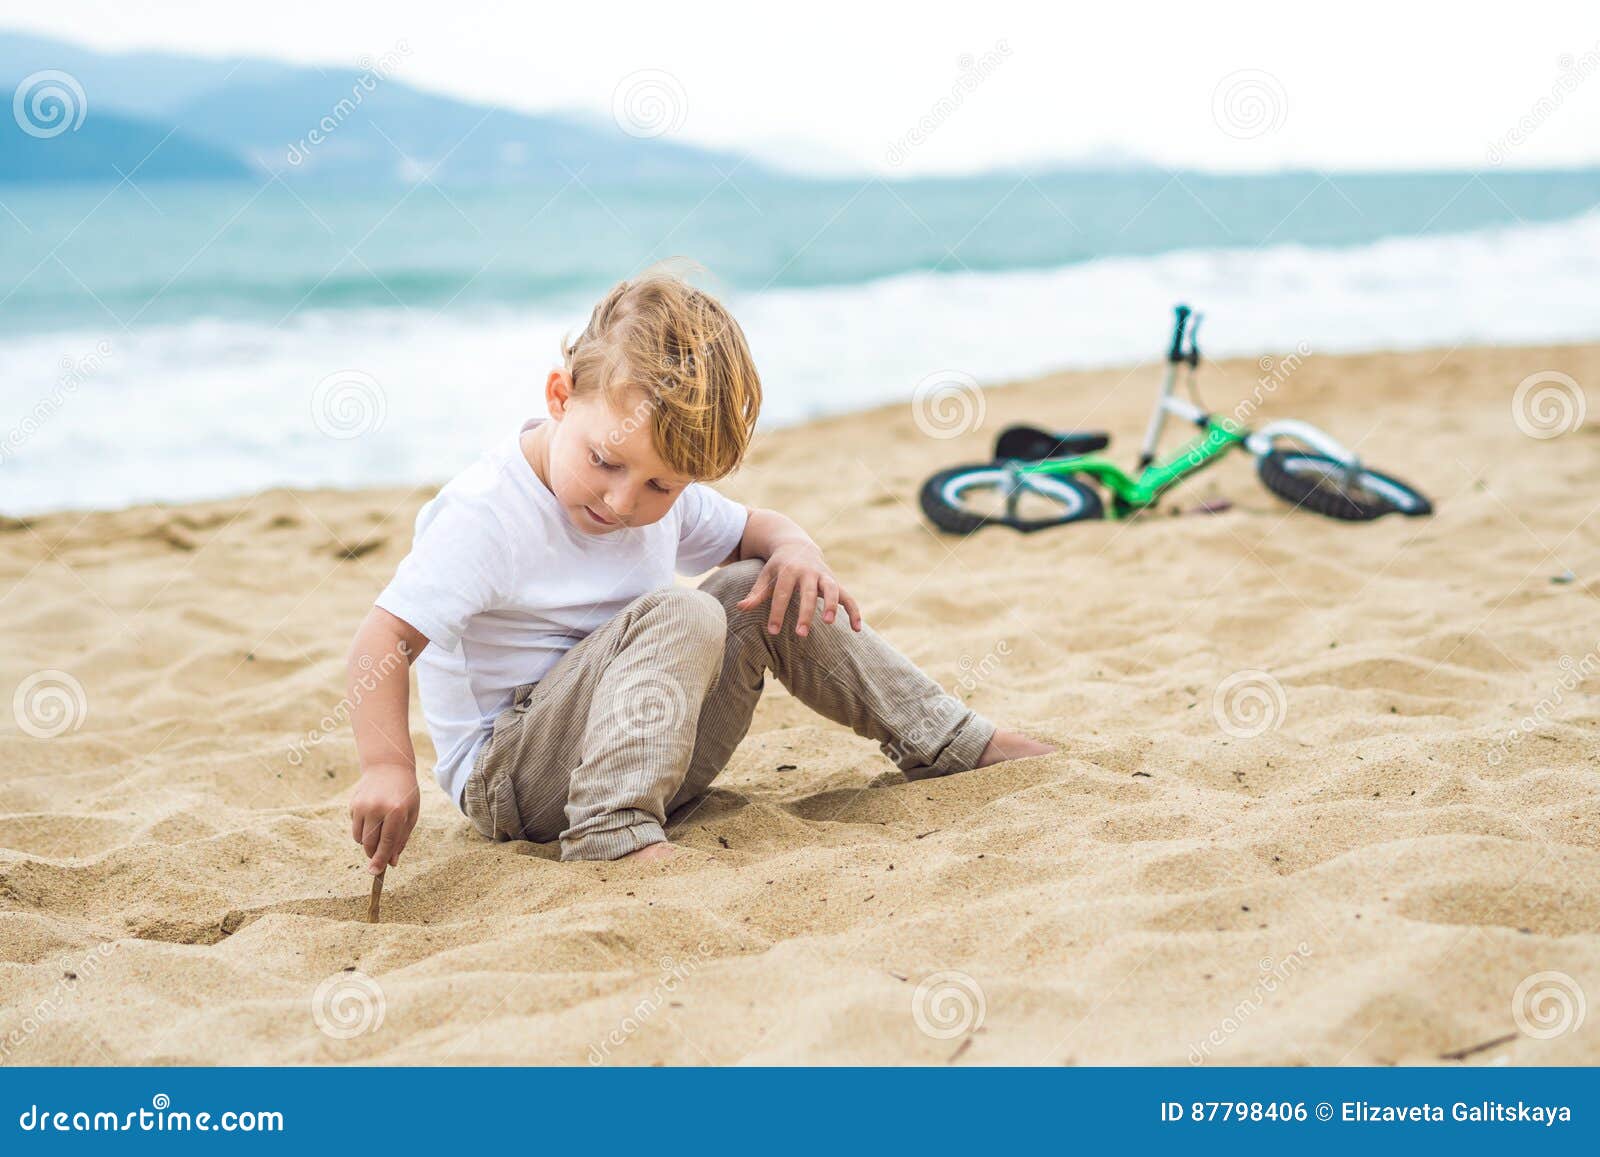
x: 697, y: 614
x: 733, y: 582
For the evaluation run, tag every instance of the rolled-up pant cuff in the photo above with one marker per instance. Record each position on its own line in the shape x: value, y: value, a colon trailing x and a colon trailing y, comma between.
x: 966, y: 747
x: 961, y: 753
x: 614, y: 836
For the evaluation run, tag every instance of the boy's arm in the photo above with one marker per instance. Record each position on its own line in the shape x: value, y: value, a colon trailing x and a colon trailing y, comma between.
x: 384, y: 808
x: 795, y: 570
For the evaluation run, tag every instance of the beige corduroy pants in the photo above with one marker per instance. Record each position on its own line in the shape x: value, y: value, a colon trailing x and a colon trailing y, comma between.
x: 639, y: 717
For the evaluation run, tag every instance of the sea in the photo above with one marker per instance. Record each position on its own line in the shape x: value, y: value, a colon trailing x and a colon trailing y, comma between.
x: 168, y: 342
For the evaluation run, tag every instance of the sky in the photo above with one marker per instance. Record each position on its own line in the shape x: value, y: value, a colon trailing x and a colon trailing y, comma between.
x: 943, y: 88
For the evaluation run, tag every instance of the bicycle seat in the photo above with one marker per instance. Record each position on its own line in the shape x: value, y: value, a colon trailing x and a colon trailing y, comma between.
x: 1032, y: 444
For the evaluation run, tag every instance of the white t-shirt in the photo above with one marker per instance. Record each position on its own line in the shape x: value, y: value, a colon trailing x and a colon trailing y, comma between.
x: 502, y: 584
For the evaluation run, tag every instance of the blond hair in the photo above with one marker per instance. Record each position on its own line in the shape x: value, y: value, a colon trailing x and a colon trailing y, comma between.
x: 684, y: 359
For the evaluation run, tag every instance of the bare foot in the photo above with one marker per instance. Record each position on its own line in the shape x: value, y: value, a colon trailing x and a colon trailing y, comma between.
x: 661, y: 851
x: 1011, y: 745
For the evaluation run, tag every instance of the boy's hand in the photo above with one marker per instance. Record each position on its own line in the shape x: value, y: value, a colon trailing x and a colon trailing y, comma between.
x: 382, y: 813
x: 795, y: 570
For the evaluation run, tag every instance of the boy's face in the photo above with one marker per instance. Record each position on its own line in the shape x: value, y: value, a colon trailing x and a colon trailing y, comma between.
x: 604, y: 469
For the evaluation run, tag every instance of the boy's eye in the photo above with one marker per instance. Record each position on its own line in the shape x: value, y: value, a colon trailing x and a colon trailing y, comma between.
x: 656, y: 486
x: 596, y: 460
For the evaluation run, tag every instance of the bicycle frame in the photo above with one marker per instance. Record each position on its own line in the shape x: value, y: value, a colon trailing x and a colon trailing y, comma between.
x: 1137, y: 493
x: 1218, y: 437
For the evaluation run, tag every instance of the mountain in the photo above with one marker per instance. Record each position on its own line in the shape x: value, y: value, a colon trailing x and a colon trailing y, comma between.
x: 352, y: 124
x: 107, y: 146
x: 229, y: 118
x: 139, y: 84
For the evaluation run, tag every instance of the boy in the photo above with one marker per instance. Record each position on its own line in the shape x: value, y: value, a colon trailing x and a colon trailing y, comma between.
x: 572, y: 691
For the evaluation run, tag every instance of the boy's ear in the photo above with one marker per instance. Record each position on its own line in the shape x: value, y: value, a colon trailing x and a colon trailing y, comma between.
x: 557, y: 393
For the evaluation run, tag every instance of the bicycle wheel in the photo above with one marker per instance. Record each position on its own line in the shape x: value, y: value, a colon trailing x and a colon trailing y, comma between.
x: 1323, y: 485
x: 967, y: 498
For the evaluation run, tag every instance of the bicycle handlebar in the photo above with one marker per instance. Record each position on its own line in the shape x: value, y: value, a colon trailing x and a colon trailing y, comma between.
x: 1180, y: 321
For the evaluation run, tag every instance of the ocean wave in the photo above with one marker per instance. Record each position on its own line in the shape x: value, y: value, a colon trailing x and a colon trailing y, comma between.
x: 209, y: 407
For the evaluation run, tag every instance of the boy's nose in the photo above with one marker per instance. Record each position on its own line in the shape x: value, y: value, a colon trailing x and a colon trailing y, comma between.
x: 620, y: 504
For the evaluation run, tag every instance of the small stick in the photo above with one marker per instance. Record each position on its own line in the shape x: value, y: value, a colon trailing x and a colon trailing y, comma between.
x: 377, y: 895
x: 1463, y: 1054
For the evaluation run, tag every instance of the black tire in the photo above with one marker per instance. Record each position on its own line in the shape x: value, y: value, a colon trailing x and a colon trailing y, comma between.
x: 941, y: 499
x: 1317, y: 483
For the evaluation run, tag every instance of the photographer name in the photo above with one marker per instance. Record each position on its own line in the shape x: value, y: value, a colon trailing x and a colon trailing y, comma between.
x: 1512, y: 1113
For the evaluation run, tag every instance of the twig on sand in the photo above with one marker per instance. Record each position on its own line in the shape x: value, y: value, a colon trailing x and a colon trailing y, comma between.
x: 377, y: 895
x: 1463, y: 1054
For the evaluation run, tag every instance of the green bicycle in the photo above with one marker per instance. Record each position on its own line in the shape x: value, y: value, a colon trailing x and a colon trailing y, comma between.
x: 1039, y: 478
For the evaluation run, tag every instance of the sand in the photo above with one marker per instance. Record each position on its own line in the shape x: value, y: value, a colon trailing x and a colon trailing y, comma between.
x: 1381, y: 876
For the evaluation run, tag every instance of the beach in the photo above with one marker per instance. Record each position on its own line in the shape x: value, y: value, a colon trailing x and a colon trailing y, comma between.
x: 1326, y: 793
